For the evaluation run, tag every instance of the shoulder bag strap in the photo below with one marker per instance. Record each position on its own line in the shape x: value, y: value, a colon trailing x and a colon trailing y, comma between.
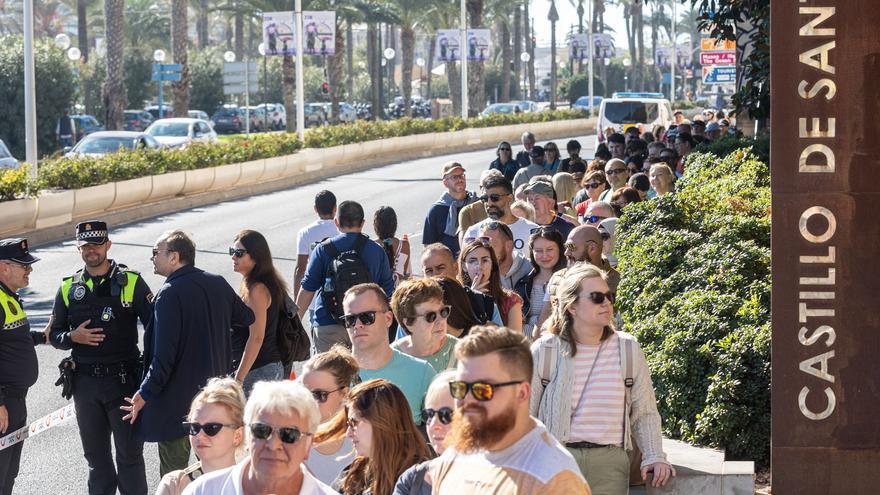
x: 590, y: 373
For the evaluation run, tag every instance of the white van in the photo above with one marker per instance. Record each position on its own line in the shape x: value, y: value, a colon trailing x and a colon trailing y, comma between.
x: 625, y: 110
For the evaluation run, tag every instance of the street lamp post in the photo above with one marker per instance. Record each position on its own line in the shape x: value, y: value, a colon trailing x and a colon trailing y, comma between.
x: 262, y: 49
x: 674, y: 57
x: 388, y: 55
x: 159, y: 56
x: 590, y: 48
x: 30, y: 99
x: 525, y: 57
x: 421, y: 63
x: 626, y: 64
x: 300, y: 96
x: 464, y: 62
x: 553, y: 16
x: 580, y: 13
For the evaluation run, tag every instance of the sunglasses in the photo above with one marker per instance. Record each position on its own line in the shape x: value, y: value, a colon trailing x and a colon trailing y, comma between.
x: 321, y: 395
x: 593, y: 185
x: 238, y: 253
x: 615, y: 171
x: 157, y: 251
x: 504, y: 149
x: 367, y: 318
x: 481, y: 391
x: 210, y: 429
x: 594, y: 218
x: 444, y: 415
x: 484, y: 240
x: 431, y: 316
x: 600, y: 297
x: 492, y: 197
x: 263, y: 431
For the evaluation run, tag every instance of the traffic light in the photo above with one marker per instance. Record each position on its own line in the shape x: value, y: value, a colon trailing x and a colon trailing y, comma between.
x: 325, y: 88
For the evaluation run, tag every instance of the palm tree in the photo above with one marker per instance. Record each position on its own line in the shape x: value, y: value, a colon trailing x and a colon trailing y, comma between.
x: 113, y: 92
x: 180, y: 89
x: 476, y: 89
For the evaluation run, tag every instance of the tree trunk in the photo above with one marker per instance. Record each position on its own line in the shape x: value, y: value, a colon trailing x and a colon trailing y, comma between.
x: 287, y: 83
x: 476, y: 88
x: 374, y: 67
x: 180, y: 89
x: 517, y: 49
x: 454, y: 79
x: 429, y: 64
x: 239, y: 35
x: 82, y: 37
x: 335, y: 71
x: 504, y: 31
x: 530, y: 49
x: 230, y: 34
x: 407, y: 46
x: 202, y: 24
x: 349, y: 61
x: 113, y: 94
x: 639, y: 20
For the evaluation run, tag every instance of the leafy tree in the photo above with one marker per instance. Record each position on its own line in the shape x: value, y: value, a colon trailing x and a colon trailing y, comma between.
x: 206, y: 73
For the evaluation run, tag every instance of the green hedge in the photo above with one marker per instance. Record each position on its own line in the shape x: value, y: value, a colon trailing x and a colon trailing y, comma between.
x: 75, y: 173
x: 695, y: 290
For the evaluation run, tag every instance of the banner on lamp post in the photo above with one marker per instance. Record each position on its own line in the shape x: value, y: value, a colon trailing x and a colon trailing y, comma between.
x: 448, y: 46
x: 479, y: 45
x: 319, y: 32
x: 278, y: 32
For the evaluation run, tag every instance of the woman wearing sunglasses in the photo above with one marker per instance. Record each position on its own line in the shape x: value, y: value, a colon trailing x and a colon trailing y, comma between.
x: 419, y: 308
x: 592, y: 387
x: 254, y: 349
x: 594, y: 184
x: 478, y: 270
x: 505, y: 162
x: 328, y: 376
x: 215, y: 425
x: 546, y: 253
x: 552, y: 159
x: 377, y: 419
x: 281, y: 418
x: 439, y: 408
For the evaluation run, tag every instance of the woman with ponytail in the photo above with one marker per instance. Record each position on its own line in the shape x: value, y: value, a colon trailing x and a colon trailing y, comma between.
x: 385, y: 226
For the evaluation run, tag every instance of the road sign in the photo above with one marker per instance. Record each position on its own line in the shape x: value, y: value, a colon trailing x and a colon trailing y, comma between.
x: 719, y: 74
x: 239, y: 67
x: 239, y: 78
x: 711, y: 44
x: 239, y: 89
x: 167, y: 72
x: 727, y: 57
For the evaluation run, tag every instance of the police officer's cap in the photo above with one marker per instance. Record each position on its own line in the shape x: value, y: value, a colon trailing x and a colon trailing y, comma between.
x: 91, y: 232
x: 16, y: 250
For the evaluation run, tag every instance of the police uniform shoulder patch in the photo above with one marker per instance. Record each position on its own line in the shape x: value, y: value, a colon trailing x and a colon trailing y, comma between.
x: 12, y: 308
x: 150, y: 297
x: 79, y: 292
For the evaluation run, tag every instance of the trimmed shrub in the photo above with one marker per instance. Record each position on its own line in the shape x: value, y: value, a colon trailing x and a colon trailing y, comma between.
x: 695, y: 290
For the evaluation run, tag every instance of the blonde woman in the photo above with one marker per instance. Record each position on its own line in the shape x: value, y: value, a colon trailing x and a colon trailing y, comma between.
x: 216, y: 427
x: 566, y: 188
x: 662, y: 179
x: 592, y: 387
x: 523, y: 209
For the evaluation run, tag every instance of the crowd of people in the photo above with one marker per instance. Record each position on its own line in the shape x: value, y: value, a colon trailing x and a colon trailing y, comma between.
x: 500, y: 368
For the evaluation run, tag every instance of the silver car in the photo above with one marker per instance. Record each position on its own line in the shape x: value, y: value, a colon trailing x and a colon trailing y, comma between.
x: 104, y: 142
x: 6, y: 158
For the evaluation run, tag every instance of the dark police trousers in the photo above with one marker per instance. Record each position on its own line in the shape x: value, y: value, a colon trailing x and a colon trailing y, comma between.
x: 97, y: 401
x: 11, y: 456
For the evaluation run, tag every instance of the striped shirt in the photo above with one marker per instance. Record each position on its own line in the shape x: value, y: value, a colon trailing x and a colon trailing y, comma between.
x: 599, y: 416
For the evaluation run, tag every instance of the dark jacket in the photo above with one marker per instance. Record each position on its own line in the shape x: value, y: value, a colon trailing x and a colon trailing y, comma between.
x: 523, y: 287
x: 508, y: 169
x: 188, y: 343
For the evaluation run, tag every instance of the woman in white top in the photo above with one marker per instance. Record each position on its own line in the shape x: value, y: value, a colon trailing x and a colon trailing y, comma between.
x: 546, y: 252
x: 592, y: 386
x: 385, y: 226
x: 215, y: 425
x: 281, y: 417
x: 328, y: 376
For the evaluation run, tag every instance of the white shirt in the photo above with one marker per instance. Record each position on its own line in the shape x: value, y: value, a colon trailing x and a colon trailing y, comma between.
x: 313, y: 233
x: 326, y: 467
x: 228, y: 482
x: 521, y: 230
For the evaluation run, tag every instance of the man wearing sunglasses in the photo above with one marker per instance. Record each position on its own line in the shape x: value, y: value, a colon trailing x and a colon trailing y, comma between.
x: 367, y: 319
x: 497, y: 201
x: 188, y: 343
x: 441, y: 223
x: 18, y: 359
x: 617, y: 174
x: 496, y: 446
x: 95, y: 316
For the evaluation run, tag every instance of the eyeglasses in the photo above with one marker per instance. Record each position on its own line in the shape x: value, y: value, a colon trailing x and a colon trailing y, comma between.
x: 484, y: 240
x: 237, y: 252
x: 210, y: 429
x: 481, y: 391
x: 157, y: 251
x: 600, y: 297
x: 594, y: 185
x: 431, y: 316
x: 615, y: 171
x: 456, y: 177
x: 366, y: 317
x: 504, y: 149
x: 542, y: 230
x: 444, y: 415
x: 492, y: 197
x: 321, y: 395
x: 594, y: 218
x: 290, y: 435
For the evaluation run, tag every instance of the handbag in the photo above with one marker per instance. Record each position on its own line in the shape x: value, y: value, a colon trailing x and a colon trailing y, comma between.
x: 293, y: 341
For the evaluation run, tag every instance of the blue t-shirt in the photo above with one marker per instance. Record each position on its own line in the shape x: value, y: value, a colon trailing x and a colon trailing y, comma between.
x: 411, y: 375
x: 561, y: 225
x: 319, y: 261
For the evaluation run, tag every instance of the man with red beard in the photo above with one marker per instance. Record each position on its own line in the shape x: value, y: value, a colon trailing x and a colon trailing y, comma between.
x: 494, y: 445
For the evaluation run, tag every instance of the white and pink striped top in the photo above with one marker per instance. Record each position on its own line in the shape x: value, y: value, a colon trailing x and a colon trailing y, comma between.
x: 599, y: 419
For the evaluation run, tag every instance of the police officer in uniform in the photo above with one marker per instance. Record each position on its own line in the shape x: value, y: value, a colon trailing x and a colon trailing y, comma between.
x: 18, y: 359
x: 95, y: 316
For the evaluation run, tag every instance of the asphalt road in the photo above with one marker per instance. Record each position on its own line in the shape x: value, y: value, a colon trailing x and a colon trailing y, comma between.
x: 52, y: 462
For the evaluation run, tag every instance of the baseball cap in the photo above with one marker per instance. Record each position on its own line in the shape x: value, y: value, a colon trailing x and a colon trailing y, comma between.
x: 16, y: 250
x: 449, y: 167
x: 541, y: 187
x: 91, y: 232
x: 537, y: 151
x: 713, y: 126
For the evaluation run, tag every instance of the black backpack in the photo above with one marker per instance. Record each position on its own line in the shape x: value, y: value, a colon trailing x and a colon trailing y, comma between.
x: 346, y: 270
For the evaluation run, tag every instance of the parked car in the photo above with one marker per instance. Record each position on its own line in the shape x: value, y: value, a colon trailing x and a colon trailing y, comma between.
x: 347, y: 113
x: 527, y: 106
x: 314, y: 115
x: 505, y: 108
x: 6, y: 158
x: 259, y: 120
x: 167, y: 111
x: 180, y: 132
x: 136, y: 120
x: 276, y: 115
x: 228, y: 119
x: 198, y: 114
x: 583, y: 103
x: 85, y: 125
x: 103, y: 142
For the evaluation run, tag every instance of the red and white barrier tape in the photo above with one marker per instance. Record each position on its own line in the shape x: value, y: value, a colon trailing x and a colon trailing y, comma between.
x: 50, y: 420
